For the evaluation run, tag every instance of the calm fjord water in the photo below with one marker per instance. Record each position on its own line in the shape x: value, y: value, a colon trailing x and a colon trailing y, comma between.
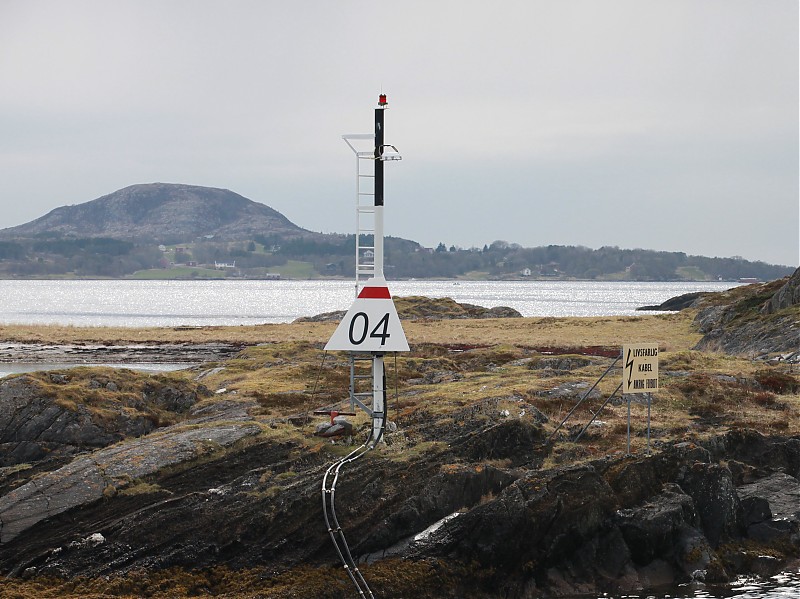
x: 198, y: 303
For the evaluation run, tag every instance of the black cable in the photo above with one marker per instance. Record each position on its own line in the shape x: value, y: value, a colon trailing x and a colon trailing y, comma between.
x: 319, y: 373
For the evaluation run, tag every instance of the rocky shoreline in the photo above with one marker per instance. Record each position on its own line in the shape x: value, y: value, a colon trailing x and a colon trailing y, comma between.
x: 207, y: 482
x: 701, y: 512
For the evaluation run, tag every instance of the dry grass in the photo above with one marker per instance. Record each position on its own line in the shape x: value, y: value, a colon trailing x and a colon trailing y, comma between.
x: 671, y: 332
x: 87, y: 387
x: 455, y: 364
x: 267, y: 333
x: 388, y: 578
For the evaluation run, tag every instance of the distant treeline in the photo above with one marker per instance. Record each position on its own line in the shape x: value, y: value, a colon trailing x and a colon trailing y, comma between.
x: 95, y: 256
x: 610, y: 262
x: 334, y: 255
x: 407, y: 259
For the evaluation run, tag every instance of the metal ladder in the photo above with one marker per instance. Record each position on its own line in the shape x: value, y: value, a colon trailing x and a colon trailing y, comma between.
x: 365, y: 205
x: 365, y: 221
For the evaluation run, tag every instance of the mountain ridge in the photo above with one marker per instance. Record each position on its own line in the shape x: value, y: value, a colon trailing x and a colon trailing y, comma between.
x: 166, y: 212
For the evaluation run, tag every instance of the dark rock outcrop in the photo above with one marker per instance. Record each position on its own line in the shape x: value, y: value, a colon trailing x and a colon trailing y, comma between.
x: 687, y: 300
x: 474, y: 311
x: 625, y: 524
x: 771, y: 509
x: 87, y: 479
x: 653, y: 529
x: 221, y: 488
x: 427, y: 308
x: 711, y: 488
x: 754, y: 456
x: 559, y: 364
x: 34, y: 426
x: 760, y: 319
x: 539, y: 520
x: 788, y: 295
x: 37, y: 425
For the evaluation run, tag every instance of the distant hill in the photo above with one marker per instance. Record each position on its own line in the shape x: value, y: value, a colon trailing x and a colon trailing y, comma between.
x: 162, y: 230
x: 163, y: 212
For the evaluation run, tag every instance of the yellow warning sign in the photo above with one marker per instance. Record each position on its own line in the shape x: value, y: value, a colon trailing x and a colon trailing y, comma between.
x: 640, y: 368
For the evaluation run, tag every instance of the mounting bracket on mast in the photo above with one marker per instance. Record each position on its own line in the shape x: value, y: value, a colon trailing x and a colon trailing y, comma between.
x: 347, y: 137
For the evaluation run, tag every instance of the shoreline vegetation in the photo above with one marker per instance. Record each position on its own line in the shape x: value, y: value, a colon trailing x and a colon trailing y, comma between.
x: 306, y: 272
x: 206, y: 481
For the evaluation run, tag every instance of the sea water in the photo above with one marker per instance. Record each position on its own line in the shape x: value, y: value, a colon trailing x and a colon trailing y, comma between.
x: 781, y: 586
x: 247, y: 302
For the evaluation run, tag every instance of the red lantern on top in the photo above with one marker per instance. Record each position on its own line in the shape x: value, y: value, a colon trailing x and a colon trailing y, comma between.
x: 382, y: 100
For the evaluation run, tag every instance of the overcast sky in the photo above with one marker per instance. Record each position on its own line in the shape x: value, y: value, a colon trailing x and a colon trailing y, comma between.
x: 658, y: 124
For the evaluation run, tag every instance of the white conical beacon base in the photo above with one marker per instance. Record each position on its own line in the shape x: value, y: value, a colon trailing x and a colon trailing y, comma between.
x: 371, y: 324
